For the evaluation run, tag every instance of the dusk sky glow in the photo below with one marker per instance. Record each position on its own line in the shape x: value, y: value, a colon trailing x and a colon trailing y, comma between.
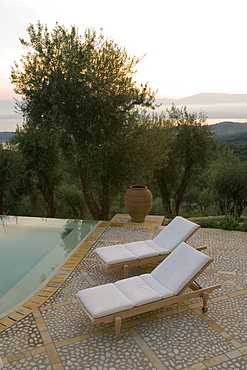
x: 191, y: 46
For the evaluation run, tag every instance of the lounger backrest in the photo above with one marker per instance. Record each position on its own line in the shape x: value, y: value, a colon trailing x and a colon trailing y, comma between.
x: 176, y: 271
x: 176, y: 232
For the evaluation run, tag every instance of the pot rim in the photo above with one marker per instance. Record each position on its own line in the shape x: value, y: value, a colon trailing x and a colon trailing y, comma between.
x: 138, y: 187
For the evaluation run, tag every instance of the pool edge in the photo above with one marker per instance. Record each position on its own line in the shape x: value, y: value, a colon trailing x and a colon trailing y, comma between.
x: 55, y: 282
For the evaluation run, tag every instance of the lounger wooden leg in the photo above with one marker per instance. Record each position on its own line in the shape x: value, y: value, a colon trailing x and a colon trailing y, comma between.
x: 205, y: 296
x: 126, y: 271
x: 118, y: 322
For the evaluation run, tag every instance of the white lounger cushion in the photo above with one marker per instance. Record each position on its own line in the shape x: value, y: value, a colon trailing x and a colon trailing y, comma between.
x: 137, y: 291
x: 115, y: 254
x: 155, y: 285
x: 166, y: 280
x: 141, y: 249
x: 155, y: 246
x: 176, y: 232
x: 104, y: 300
x: 179, y: 267
x: 128, y: 252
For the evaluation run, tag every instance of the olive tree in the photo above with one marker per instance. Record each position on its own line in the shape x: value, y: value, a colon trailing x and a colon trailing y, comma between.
x: 189, y: 144
x: 228, y: 179
x: 38, y: 148
x: 13, y: 176
x: 82, y: 90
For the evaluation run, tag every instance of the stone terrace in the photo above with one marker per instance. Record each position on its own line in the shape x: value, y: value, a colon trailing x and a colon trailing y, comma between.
x: 52, y: 332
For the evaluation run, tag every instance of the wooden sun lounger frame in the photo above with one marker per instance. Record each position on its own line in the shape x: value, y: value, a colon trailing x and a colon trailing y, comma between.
x: 142, y: 261
x: 197, y: 291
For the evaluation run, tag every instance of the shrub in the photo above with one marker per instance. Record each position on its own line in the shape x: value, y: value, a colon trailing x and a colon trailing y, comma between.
x: 156, y: 207
x: 229, y: 223
x: 209, y: 223
x: 244, y: 228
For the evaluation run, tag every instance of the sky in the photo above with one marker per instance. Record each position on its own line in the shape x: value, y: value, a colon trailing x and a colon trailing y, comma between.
x: 190, y: 46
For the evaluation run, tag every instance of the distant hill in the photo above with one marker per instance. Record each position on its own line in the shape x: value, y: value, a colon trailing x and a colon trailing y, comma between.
x: 239, y: 139
x: 225, y: 131
x: 215, y: 105
x: 206, y: 98
x: 229, y: 128
x: 210, y: 98
x: 5, y: 136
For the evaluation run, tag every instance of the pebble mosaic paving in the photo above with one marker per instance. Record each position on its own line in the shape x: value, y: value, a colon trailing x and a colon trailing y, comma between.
x: 231, y: 316
x: 105, y: 353
x: 169, y: 340
x: 52, y: 332
x: 75, y: 282
x: 22, y: 336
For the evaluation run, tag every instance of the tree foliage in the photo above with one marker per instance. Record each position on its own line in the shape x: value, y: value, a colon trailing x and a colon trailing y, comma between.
x: 190, y: 144
x: 228, y: 179
x: 13, y: 178
x: 38, y: 147
x: 81, y: 89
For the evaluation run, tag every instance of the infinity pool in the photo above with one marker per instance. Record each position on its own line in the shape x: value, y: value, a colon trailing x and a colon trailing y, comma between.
x: 31, y: 251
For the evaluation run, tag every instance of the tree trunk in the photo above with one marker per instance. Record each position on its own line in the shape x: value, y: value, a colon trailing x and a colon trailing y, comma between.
x: 180, y: 191
x: 50, y: 204
x: 48, y: 196
x: 97, y: 212
x: 238, y: 208
x: 1, y: 202
x: 105, y: 199
x: 165, y: 197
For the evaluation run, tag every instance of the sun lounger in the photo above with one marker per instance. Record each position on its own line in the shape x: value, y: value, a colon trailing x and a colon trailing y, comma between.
x: 113, y: 302
x: 123, y: 256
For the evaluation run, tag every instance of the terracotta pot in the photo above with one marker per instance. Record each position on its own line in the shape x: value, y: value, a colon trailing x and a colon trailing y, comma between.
x: 138, y: 201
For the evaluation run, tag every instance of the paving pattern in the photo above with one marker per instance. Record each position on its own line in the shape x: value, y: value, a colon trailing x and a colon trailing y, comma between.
x: 52, y: 332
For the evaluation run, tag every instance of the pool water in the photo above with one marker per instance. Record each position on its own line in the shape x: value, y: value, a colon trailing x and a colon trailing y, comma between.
x: 31, y: 251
